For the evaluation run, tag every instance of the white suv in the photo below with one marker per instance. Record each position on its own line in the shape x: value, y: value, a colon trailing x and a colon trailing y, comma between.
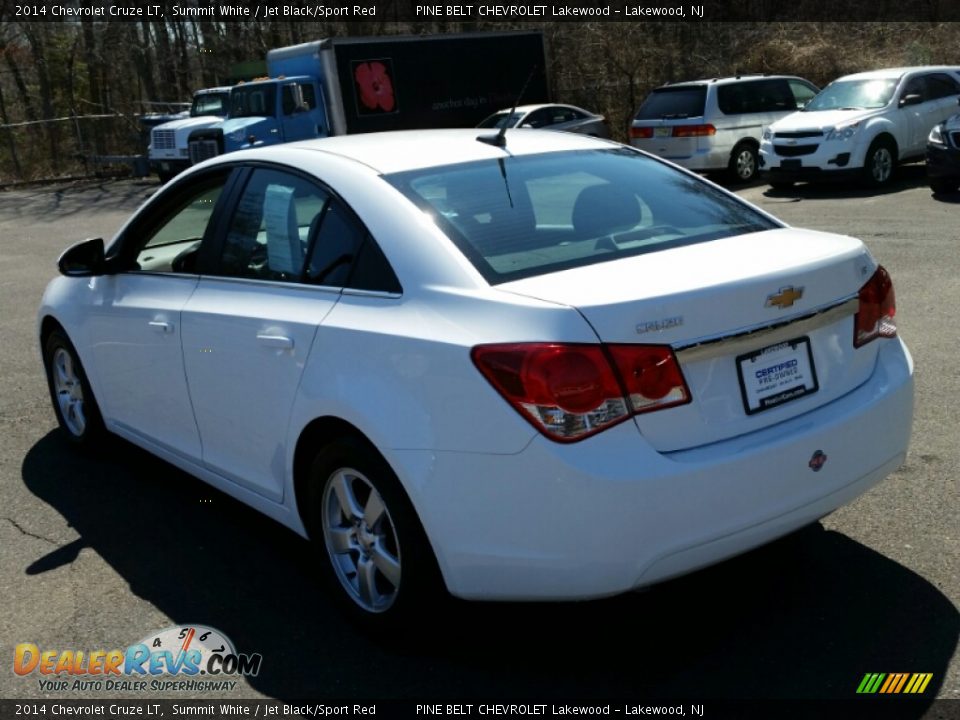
x: 861, y: 124
x: 711, y: 125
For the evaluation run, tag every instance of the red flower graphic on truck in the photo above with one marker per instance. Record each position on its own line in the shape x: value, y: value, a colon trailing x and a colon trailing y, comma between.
x: 376, y: 87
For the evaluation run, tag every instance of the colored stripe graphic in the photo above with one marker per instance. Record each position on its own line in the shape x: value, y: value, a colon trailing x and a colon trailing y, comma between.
x: 894, y: 683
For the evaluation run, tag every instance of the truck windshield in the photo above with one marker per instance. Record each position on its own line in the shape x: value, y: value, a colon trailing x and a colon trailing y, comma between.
x: 536, y: 214
x: 210, y: 104
x: 253, y: 101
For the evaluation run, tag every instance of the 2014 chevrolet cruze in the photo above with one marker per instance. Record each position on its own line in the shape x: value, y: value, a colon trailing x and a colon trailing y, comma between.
x: 521, y: 365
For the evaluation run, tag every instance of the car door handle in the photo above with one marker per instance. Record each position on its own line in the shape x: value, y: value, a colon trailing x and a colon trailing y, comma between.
x: 276, y: 341
x: 161, y: 326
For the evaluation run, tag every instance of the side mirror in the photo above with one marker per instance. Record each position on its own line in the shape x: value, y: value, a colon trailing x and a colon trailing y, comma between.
x: 85, y: 259
x: 911, y: 99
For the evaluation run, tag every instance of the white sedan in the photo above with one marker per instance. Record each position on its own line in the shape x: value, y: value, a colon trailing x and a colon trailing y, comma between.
x: 518, y: 365
x: 566, y: 118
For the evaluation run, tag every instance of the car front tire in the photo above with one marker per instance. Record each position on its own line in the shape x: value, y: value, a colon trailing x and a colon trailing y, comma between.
x: 880, y: 163
x: 377, y: 560
x: 73, y: 401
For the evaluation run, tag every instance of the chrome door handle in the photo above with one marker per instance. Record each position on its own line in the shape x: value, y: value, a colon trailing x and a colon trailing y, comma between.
x: 276, y: 341
x: 161, y: 326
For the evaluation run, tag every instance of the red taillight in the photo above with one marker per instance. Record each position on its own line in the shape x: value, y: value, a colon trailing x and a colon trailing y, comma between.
x: 569, y: 392
x: 878, y: 307
x: 694, y: 130
x: 642, y: 133
x: 651, y: 375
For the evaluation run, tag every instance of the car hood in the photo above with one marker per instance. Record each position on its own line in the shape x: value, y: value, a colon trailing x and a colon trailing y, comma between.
x: 821, y: 119
x: 190, y: 123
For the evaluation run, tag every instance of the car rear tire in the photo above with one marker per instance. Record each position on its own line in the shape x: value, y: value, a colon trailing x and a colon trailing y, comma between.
x: 744, y: 161
x: 944, y: 185
x: 73, y: 401
x: 880, y: 163
x: 377, y: 560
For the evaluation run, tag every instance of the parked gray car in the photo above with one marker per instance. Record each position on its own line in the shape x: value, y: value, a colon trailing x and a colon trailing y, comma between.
x: 567, y: 118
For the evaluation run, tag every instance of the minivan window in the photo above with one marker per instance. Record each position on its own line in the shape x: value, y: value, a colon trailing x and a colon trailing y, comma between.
x: 531, y: 215
x: 674, y: 102
x: 755, y: 96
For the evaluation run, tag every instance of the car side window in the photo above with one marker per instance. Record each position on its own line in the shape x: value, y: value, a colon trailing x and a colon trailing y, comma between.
x: 802, y: 93
x: 343, y: 254
x: 168, y: 239
x: 915, y: 86
x: 941, y: 85
x: 338, y: 239
x: 539, y: 118
x: 271, y: 227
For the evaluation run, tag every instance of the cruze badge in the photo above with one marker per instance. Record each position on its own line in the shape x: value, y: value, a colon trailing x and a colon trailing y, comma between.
x: 785, y: 298
x: 659, y: 325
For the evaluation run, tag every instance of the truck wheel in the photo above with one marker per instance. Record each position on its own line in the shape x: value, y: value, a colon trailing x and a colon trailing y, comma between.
x: 377, y: 560
x: 880, y: 163
x: 743, y: 162
x: 73, y: 402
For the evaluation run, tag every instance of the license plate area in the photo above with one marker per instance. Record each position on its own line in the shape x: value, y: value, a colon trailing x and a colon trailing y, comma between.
x: 777, y: 374
x: 791, y: 164
x: 663, y: 132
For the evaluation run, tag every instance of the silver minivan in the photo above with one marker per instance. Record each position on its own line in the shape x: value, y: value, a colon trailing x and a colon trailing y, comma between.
x: 716, y: 124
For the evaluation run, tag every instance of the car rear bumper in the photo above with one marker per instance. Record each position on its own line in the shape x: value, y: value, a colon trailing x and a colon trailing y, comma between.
x: 610, y: 514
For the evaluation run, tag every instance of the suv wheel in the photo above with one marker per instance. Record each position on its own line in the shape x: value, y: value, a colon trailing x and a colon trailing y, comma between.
x: 880, y: 163
x: 743, y: 162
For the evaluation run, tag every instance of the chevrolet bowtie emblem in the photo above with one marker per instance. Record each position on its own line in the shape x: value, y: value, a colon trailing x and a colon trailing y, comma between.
x: 785, y: 298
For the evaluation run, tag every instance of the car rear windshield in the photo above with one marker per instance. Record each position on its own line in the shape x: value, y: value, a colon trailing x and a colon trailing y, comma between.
x: 498, y: 120
x: 673, y: 102
x: 530, y: 215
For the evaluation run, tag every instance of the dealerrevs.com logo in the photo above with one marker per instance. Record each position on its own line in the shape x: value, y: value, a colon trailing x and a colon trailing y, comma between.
x: 187, y: 658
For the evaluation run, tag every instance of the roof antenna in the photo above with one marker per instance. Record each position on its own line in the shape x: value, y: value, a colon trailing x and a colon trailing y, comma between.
x: 500, y: 139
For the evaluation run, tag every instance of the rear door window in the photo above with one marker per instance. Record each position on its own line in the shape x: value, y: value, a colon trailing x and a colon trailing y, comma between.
x: 669, y: 103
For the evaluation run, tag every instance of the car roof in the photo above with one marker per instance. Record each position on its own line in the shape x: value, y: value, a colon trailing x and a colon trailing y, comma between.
x: 730, y: 79
x: 898, y: 72
x: 401, y: 150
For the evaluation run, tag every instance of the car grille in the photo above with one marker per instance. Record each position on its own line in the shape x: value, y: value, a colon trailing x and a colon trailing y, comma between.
x: 955, y: 139
x: 798, y: 134
x: 795, y: 150
x: 203, y: 149
x: 164, y: 140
